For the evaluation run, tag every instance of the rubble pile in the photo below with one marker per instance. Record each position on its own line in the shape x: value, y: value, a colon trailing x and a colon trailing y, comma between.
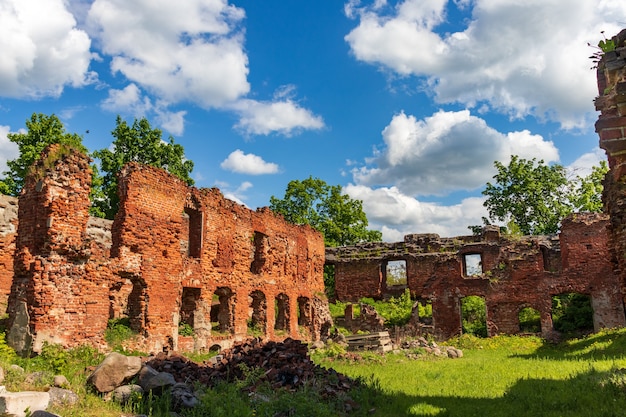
x: 285, y: 364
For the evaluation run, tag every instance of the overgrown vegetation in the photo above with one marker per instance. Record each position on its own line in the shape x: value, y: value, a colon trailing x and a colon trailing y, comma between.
x: 498, y: 376
x: 118, y: 331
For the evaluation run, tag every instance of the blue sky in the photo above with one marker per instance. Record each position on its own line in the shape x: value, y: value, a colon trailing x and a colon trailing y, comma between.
x: 405, y: 104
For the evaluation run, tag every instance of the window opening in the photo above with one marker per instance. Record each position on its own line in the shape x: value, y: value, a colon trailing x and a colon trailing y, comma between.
x: 529, y: 320
x: 474, y: 315
x: 395, y: 273
x: 188, y: 308
x: 257, y: 318
x: 473, y: 264
x: 222, y: 310
x: 260, y: 250
x: 572, y: 313
x: 282, y: 312
x: 195, y: 226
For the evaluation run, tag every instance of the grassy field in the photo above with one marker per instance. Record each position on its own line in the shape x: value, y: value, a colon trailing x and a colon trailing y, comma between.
x: 501, y: 376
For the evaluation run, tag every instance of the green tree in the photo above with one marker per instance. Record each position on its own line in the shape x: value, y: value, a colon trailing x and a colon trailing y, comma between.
x: 532, y: 195
x: 338, y: 217
x: 137, y: 143
x: 42, y: 130
x: 586, y: 192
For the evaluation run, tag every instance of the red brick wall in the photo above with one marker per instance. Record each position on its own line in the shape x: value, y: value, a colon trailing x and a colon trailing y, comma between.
x: 71, y: 273
x: 514, y: 274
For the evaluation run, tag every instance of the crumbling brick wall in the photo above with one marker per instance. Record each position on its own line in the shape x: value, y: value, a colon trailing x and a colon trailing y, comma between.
x: 516, y: 273
x: 611, y: 128
x: 59, y: 293
x: 174, y: 254
x: 8, y: 232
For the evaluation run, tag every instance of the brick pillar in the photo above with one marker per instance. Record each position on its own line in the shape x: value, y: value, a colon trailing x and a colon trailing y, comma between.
x: 611, y: 127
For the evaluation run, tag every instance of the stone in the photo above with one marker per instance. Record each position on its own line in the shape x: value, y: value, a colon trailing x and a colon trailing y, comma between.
x: 17, y: 403
x: 62, y: 397
x: 124, y: 393
x: 183, y: 396
x: 113, y: 371
x: 60, y: 381
x: 155, y: 381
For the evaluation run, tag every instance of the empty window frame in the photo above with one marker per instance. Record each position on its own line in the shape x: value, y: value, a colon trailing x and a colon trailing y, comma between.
x: 472, y: 265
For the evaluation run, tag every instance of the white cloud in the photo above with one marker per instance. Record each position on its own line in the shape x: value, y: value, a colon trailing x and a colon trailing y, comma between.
x: 131, y: 100
x: 446, y: 152
x: 285, y: 117
x: 127, y: 100
x: 510, y: 55
x: 396, y: 214
x: 42, y: 50
x: 189, y: 51
x: 582, y: 166
x: 8, y: 149
x: 173, y: 122
x: 243, y: 163
x: 237, y: 195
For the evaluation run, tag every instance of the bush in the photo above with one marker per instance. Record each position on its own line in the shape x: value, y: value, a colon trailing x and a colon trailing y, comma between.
x: 118, y: 331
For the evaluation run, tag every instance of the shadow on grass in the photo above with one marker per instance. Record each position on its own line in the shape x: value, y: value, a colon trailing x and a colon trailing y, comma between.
x: 609, y: 344
x: 589, y: 394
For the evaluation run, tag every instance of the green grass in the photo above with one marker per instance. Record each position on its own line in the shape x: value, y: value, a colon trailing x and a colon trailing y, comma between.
x: 502, y: 376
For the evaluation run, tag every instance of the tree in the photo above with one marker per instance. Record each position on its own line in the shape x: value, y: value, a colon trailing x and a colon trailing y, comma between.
x: 337, y: 216
x: 533, y: 197
x: 586, y: 192
x: 137, y: 143
x: 42, y: 130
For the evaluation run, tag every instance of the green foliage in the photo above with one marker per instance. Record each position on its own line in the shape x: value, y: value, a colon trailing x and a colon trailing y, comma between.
x: 572, y: 312
x: 325, y: 208
x: 529, y: 320
x: 396, y: 311
x: 185, y: 329
x: 586, y: 192
x: 530, y: 193
x: 474, y: 313
x: 534, y: 198
x: 118, y: 331
x: 137, y: 143
x: 42, y: 130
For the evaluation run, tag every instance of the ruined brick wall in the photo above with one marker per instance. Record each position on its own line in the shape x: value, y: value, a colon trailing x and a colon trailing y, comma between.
x: 195, y: 255
x: 59, y: 293
x: 516, y: 273
x: 8, y: 232
x: 174, y: 254
x: 611, y: 128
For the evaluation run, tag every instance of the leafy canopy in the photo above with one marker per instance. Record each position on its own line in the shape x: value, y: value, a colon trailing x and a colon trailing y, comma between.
x: 137, y: 143
x: 337, y: 216
x: 41, y: 131
x: 534, y: 197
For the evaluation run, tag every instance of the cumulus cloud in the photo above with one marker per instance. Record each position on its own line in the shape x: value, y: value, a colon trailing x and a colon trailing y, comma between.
x: 243, y: 163
x: 42, y: 50
x: 582, y: 166
x: 396, y: 214
x: 237, y: 195
x: 189, y: 51
x: 446, y: 152
x: 127, y: 100
x: 131, y: 100
x: 8, y: 149
x: 509, y: 56
x: 284, y: 116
